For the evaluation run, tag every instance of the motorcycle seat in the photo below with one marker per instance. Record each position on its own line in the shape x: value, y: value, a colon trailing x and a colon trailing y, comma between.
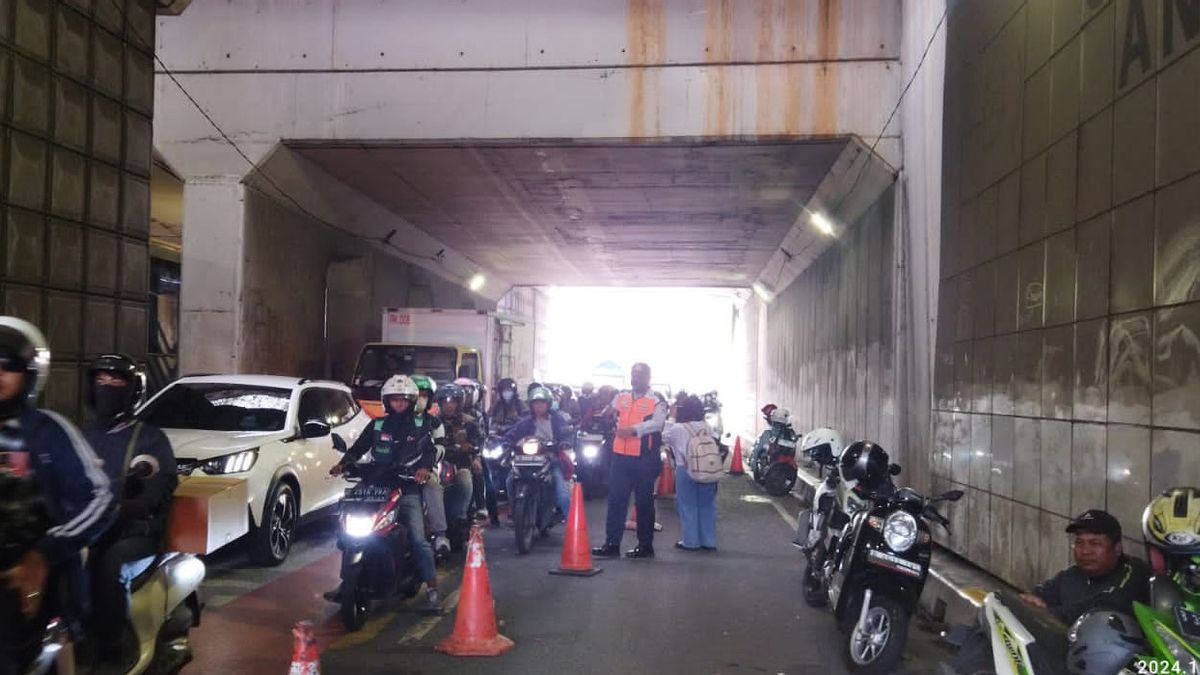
x: 145, y: 569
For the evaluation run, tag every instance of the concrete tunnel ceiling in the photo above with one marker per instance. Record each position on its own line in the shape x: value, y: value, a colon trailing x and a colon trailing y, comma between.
x: 584, y: 213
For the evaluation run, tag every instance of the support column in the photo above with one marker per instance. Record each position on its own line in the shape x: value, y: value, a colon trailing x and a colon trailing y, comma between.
x: 213, y: 261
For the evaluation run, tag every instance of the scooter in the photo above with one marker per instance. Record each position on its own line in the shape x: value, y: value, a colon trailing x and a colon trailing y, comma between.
x: 873, y: 579
x: 834, y: 503
x: 377, y: 558
x: 773, y: 463
x: 593, y: 455
x: 532, y: 491
x: 712, y: 417
x: 164, y: 606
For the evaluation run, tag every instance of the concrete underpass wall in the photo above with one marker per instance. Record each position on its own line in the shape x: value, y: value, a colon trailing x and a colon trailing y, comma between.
x: 290, y: 262
x: 1068, y: 350
x: 76, y: 97
x: 829, y: 345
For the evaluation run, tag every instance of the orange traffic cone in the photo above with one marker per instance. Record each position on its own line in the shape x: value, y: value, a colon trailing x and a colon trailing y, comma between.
x: 475, y: 631
x: 666, y: 480
x: 631, y: 524
x: 306, y: 660
x: 576, y: 556
x: 735, y: 466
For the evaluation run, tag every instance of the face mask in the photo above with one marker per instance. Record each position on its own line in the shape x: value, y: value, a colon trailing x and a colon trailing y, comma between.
x: 111, y: 401
x: 506, y: 395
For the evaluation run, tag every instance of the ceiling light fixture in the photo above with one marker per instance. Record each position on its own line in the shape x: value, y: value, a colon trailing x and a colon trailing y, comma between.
x: 822, y: 223
x: 761, y: 290
x: 476, y: 282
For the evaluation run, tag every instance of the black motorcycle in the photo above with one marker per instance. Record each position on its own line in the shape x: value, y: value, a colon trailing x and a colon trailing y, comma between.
x: 531, y: 490
x: 496, y: 469
x: 873, y: 569
x: 593, y: 455
x: 377, y: 559
x: 773, y: 463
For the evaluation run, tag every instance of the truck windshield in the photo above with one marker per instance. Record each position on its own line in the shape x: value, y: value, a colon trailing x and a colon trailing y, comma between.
x: 379, y: 362
x: 218, y: 407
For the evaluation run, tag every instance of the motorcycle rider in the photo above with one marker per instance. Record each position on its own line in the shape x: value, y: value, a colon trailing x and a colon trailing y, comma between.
x: 432, y: 491
x: 464, y: 439
x: 508, y: 408
x: 549, y: 428
x: 568, y: 405
x: 587, y: 397
x: 114, y: 388
x: 43, y: 447
x: 402, y: 440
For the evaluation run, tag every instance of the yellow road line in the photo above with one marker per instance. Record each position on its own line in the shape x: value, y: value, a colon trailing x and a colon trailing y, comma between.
x: 374, y: 627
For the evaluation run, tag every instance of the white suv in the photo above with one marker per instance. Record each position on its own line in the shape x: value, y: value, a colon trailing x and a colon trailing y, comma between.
x: 273, y: 431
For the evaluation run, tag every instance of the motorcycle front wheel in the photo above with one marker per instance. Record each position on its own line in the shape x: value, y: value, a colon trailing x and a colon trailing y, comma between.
x: 524, y: 523
x: 355, y: 604
x: 875, y: 646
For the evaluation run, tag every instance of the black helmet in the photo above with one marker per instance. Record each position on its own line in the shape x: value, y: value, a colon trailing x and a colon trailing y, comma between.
x: 506, y: 383
x: 451, y: 391
x: 864, y: 462
x: 23, y: 349
x: 126, y: 368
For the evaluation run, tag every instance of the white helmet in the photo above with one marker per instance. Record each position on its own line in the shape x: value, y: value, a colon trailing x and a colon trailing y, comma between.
x: 24, y: 345
x: 822, y: 444
x: 781, y: 416
x: 399, y: 385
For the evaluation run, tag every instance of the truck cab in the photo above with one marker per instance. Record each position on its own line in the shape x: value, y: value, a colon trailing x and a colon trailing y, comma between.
x: 380, y: 360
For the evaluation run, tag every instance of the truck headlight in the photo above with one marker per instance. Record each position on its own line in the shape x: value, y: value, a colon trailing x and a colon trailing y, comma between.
x: 531, y: 446
x: 900, y: 531
x: 359, y: 525
x: 591, y: 451
x: 238, y: 462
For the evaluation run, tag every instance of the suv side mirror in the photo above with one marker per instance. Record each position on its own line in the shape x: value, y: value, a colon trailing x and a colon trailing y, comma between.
x: 894, y: 469
x: 314, y: 429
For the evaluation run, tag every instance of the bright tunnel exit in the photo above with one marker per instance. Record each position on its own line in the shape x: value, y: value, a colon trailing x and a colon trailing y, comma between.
x: 685, y: 335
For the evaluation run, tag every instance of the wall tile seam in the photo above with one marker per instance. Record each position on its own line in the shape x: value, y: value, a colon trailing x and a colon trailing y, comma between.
x: 982, y: 49
x: 1076, y: 421
x: 1036, y: 507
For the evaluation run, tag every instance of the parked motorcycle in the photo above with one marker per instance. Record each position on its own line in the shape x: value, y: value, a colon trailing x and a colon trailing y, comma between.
x: 712, y: 417
x: 773, y: 460
x: 377, y: 559
x: 532, y: 490
x: 593, y: 455
x: 872, y: 571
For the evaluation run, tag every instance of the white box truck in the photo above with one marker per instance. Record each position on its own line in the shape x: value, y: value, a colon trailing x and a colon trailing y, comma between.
x: 442, y: 343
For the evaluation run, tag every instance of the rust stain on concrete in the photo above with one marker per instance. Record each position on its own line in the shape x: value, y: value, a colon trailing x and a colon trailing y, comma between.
x: 645, y: 34
x: 766, y: 77
x: 794, y: 13
x: 718, y: 46
x: 825, y: 106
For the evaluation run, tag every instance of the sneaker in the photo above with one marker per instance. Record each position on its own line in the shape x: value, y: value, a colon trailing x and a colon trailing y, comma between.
x: 441, y: 545
x: 335, y: 595
x: 433, y: 601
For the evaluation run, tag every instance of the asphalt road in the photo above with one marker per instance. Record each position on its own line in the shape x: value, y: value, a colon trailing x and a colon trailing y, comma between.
x: 737, y: 610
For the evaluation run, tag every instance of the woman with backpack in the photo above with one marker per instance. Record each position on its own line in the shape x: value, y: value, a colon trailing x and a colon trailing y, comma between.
x: 697, y: 468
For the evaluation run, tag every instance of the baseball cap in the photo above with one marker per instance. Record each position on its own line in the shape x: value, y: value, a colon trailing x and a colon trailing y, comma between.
x: 1098, y: 521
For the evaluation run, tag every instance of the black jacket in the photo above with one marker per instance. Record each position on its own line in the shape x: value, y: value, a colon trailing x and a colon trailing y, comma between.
x: 473, y: 437
x: 505, y: 413
x: 1071, y: 593
x: 144, y: 504
x: 401, y: 442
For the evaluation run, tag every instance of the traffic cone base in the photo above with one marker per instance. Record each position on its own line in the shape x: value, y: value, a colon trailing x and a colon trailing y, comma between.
x: 306, y: 660
x: 576, y: 554
x: 475, y: 622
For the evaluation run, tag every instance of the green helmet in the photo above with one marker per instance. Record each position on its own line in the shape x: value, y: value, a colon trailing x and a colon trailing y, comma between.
x: 540, y: 394
x: 425, y: 383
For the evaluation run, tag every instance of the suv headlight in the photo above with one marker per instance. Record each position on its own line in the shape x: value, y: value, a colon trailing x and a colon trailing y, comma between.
x: 900, y: 531
x: 238, y: 462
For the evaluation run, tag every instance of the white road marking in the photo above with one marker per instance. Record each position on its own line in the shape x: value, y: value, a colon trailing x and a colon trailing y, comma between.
x: 422, y: 627
x: 792, y: 522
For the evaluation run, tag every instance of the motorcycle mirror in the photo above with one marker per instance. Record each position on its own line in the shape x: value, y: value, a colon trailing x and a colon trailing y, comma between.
x: 894, y: 469
x: 339, y: 443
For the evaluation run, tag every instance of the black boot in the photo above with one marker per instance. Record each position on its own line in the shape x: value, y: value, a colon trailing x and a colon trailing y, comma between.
x: 607, y: 551
x: 641, y: 551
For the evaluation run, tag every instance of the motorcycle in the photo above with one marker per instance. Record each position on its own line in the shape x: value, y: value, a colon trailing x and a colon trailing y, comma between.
x: 458, y: 530
x: 593, y: 455
x: 377, y: 558
x: 496, y: 470
x: 532, y: 490
x: 712, y: 417
x: 874, y: 571
x: 834, y: 503
x: 773, y: 462
x: 164, y: 606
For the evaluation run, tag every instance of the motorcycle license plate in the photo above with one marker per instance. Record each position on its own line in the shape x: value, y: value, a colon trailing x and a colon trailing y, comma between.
x: 894, y: 563
x: 529, y: 460
x: 595, y: 438
x: 1189, y: 622
x: 368, y: 493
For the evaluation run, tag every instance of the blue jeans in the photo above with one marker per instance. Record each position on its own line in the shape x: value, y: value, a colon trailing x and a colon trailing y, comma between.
x: 696, y: 504
x: 458, y: 494
x: 410, y: 512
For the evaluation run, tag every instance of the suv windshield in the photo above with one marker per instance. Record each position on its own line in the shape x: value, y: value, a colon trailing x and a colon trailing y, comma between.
x: 219, y: 407
x: 379, y: 362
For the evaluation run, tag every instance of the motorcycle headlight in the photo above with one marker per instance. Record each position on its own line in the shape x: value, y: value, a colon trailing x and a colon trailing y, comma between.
x: 358, y: 524
x: 235, y: 463
x: 900, y: 531
x: 1187, y: 662
x: 591, y: 451
x: 531, y: 447
x: 493, y: 452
